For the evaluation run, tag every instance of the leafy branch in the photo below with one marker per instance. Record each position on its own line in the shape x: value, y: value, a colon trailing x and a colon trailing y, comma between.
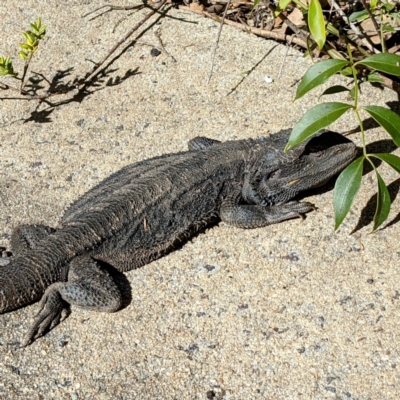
x: 366, y: 69
x: 29, y: 48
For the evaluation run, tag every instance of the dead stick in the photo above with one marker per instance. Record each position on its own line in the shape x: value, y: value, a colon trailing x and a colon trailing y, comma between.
x: 249, y: 29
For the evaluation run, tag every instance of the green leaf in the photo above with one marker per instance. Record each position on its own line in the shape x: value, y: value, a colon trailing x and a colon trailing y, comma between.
x: 318, y: 74
x: 29, y: 36
x: 335, y: 54
x: 358, y: 16
x: 284, y: 3
x: 384, y: 62
x: 388, y: 119
x: 374, y: 78
x: 391, y: 159
x: 346, y: 188
x: 332, y: 29
x: 26, y: 46
x: 347, y: 71
x: 316, y: 23
x: 387, y: 6
x: 23, y: 55
x: 335, y: 89
x: 352, y: 92
x: 388, y: 28
x: 281, y: 6
x: 315, y: 119
x: 382, y: 204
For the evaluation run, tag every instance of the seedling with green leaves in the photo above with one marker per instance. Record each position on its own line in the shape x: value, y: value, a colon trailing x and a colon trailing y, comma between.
x: 29, y: 47
x: 324, y: 114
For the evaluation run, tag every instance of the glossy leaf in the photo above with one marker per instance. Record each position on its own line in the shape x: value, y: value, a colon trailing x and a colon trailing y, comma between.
x: 335, y: 89
x: 388, y: 119
x: 284, y: 3
x: 346, y: 188
x: 315, y: 119
x: 382, y: 204
x: 384, y: 62
x: 335, y: 54
x: 358, y: 16
x: 391, y: 159
x: 374, y: 78
x: 318, y: 74
x: 316, y: 23
x: 348, y: 71
x: 282, y: 6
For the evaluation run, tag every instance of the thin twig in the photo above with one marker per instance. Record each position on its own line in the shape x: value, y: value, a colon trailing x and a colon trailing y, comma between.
x: 26, y: 66
x: 366, y: 6
x: 111, y: 7
x: 157, y: 34
x: 216, y: 44
x: 284, y: 58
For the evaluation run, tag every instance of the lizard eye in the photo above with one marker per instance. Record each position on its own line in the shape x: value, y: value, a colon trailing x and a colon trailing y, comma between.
x: 274, y: 174
x: 317, y: 154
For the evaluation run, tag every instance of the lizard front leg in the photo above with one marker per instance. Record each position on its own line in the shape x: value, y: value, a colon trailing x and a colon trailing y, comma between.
x: 250, y: 216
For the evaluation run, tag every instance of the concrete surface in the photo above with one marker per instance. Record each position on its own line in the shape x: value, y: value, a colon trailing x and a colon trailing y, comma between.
x: 293, y: 311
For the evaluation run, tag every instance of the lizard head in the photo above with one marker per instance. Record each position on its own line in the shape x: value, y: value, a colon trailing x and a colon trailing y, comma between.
x: 322, y: 157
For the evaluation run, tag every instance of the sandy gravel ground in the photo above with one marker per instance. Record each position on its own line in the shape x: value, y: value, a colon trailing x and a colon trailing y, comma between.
x: 293, y: 311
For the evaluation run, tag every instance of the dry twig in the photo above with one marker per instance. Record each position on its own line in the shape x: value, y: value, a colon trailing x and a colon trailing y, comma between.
x: 249, y: 29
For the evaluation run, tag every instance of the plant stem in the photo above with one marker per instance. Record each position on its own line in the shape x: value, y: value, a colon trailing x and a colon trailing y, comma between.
x: 26, y: 66
x: 362, y: 131
x: 382, y: 35
x: 356, y: 110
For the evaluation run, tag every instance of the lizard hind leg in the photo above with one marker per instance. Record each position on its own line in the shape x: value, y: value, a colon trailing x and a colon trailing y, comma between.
x: 89, y: 286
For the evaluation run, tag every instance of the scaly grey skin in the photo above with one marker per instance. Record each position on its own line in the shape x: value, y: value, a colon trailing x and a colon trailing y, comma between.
x: 146, y: 209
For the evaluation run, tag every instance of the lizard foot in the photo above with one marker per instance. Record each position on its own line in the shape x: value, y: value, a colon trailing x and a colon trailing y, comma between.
x: 52, y: 310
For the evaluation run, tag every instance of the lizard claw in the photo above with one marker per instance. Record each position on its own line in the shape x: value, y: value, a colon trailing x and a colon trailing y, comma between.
x: 52, y: 309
